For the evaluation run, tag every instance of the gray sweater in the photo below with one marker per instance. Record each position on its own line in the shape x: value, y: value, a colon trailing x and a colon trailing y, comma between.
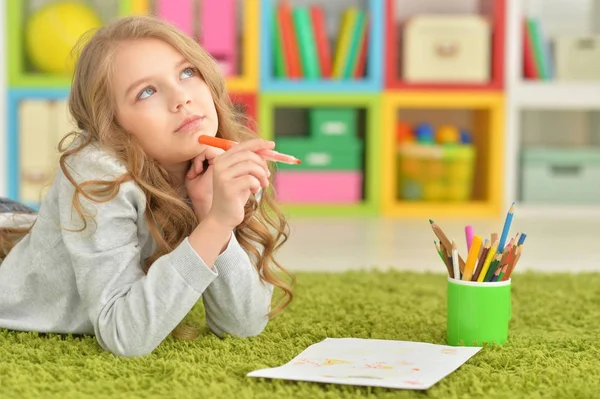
x: 92, y: 282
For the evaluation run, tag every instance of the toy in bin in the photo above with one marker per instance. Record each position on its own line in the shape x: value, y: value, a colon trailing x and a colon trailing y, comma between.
x: 434, y: 164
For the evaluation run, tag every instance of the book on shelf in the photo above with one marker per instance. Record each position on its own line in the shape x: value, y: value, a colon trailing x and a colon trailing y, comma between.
x: 302, y: 48
x: 537, y: 53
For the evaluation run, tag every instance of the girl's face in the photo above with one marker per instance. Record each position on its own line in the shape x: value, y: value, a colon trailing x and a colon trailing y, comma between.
x: 162, y: 101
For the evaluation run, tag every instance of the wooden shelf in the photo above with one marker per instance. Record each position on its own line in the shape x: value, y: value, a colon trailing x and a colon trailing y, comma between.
x: 557, y: 95
x: 393, y: 80
x: 432, y: 210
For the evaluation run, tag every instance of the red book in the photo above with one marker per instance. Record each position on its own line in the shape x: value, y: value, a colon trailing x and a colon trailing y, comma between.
x: 317, y: 17
x: 289, y: 41
x: 529, y: 69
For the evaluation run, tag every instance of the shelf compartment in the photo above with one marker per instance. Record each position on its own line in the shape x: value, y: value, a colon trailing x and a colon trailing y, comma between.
x: 21, y: 70
x: 37, y: 120
x: 481, y: 114
x: 289, y: 119
x: 397, y: 11
x: 373, y: 77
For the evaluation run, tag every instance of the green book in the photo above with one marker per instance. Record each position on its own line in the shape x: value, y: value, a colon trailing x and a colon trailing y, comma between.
x: 355, y: 45
x: 537, y: 44
x: 306, y: 43
x: 278, y: 53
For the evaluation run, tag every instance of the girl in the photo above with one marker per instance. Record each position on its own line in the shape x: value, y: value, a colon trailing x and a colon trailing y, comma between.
x: 141, y: 221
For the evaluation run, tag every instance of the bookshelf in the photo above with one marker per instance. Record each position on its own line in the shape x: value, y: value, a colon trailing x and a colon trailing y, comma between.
x: 538, y: 108
x: 477, y: 105
x: 378, y: 96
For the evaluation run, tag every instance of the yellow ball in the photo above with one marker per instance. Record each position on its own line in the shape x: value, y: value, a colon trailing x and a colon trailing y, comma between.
x: 52, y: 32
x: 448, y: 134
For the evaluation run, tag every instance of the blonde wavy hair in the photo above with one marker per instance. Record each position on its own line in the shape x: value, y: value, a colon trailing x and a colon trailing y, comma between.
x: 92, y: 106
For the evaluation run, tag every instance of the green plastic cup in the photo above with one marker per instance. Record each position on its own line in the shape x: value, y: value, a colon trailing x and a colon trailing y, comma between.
x: 478, y: 312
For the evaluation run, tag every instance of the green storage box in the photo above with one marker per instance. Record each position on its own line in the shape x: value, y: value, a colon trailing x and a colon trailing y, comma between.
x: 333, y: 123
x: 321, y: 155
x: 555, y: 175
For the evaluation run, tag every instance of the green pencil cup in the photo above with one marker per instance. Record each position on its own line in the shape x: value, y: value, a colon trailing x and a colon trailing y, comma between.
x: 478, y: 312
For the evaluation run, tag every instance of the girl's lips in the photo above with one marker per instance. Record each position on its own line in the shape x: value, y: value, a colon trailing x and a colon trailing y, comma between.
x: 190, y: 123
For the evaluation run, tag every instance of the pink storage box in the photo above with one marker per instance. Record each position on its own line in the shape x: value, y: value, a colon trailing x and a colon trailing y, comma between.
x: 319, y: 187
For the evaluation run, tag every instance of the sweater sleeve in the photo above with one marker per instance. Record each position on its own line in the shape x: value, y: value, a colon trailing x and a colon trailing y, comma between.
x: 132, y: 312
x: 238, y: 301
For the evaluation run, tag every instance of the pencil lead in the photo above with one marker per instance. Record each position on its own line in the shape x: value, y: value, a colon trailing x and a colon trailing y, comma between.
x: 430, y: 221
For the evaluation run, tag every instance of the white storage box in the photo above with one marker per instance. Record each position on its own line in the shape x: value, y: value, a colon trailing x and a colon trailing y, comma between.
x: 577, y: 57
x: 447, y: 49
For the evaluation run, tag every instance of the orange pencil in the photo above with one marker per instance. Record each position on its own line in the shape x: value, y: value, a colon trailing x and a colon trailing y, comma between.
x: 225, y: 144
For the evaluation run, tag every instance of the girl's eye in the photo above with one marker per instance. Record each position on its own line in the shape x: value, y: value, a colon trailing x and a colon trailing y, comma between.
x: 188, y: 72
x: 147, y: 92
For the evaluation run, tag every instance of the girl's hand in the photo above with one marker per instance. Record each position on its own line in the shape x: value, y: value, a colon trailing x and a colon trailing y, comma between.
x: 238, y: 173
x: 199, y: 181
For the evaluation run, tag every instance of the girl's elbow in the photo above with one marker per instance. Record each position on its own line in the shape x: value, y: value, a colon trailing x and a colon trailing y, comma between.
x: 127, y: 347
x: 241, y: 329
x: 131, y: 351
x: 254, y: 329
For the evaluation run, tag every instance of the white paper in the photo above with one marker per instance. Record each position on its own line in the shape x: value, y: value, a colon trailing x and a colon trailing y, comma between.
x: 372, y: 362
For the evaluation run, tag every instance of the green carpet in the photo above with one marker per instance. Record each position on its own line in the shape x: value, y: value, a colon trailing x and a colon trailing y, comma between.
x: 554, y: 348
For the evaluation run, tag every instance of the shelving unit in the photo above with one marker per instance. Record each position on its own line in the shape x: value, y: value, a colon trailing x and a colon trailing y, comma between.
x: 497, y: 107
x: 479, y: 107
x: 529, y: 99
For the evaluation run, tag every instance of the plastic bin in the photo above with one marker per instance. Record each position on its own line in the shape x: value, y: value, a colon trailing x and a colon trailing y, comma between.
x: 567, y: 175
x: 435, y: 172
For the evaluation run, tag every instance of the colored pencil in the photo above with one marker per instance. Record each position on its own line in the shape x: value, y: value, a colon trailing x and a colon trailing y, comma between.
x: 513, y: 263
x: 444, y: 257
x: 488, y: 261
x: 469, y: 236
x: 481, y: 261
x: 455, y: 261
x: 506, y: 228
x: 517, y: 238
x: 472, y: 258
x: 506, y: 252
x: 492, y: 268
x: 496, y: 275
x: 494, y: 237
x: 522, y: 239
x: 269, y: 155
x: 445, y: 242
x: 504, y: 263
